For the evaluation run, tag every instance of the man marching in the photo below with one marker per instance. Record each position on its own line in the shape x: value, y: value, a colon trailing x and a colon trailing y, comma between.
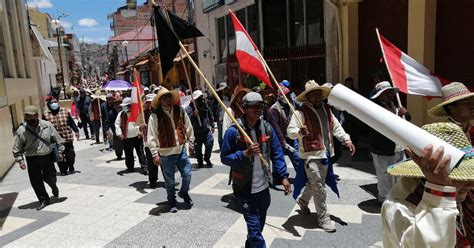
x: 251, y: 179
x: 169, y: 128
x: 316, y: 148
x: 65, y: 125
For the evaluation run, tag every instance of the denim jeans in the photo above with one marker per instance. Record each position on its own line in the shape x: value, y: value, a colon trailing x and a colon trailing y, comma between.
x: 207, y: 140
x: 254, y: 210
x: 168, y: 165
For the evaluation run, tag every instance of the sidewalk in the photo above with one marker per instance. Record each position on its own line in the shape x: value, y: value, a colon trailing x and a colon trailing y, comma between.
x: 103, y: 205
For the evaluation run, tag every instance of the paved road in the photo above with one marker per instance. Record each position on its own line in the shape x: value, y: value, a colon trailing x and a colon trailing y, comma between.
x: 102, y: 205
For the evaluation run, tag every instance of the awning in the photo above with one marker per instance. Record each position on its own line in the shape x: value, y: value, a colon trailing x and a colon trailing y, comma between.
x: 178, y: 58
x: 54, y: 44
x: 143, y: 62
x: 43, y: 44
x: 121, y: 72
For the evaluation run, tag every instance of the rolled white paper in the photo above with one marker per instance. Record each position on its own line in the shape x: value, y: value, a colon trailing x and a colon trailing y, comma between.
x: 390, y: 125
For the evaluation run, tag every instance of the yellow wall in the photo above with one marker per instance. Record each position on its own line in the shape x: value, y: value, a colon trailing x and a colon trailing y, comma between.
x: 41, y: 20
x: 7, y: 141
x: 349, y: 14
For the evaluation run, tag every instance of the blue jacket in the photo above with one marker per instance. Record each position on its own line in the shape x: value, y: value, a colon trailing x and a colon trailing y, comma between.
x: 232, y: 154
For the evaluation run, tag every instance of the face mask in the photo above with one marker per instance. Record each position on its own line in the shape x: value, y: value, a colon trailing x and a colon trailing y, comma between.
x: 54, y: 106
x: 126, y: 109
x: 32, y: 122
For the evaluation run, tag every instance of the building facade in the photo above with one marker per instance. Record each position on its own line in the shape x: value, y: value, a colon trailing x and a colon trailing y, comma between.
x: 19, y: 80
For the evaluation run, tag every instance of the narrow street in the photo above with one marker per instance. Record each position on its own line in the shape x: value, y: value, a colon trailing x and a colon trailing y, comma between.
x: 103, y: 205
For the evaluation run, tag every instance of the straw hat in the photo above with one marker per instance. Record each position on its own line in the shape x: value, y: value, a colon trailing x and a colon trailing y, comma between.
x: 150, y: 97
x: 98, y: 95
x: 197, y: 94
x: 311, y: 85
x: 451, y: 93
x: 452, y: 134
x: 382, y: 87
x: 237, y: 91
x: 163, y: 91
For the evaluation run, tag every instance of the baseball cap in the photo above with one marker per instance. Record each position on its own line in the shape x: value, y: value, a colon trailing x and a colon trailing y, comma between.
x: 126, y: 101
x: 31, y: 110
x: 252, y: 98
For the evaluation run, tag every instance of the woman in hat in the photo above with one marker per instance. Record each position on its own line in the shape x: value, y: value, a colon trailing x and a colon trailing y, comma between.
x: 458, y: 108
x: 422, y: 208
x: 236, y: 106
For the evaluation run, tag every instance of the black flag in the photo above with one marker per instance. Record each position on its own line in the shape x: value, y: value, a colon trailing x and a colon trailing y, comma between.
x: 168, y: 40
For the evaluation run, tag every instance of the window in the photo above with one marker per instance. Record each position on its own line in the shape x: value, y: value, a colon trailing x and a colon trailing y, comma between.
x: 274, y: 22
x: 222, y: 39
x: 315, y: 25
x: 230, y: 35
x: 252, y: 21
x: 297, y: 37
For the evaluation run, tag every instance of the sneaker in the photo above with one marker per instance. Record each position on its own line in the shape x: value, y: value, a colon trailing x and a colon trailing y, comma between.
x: 304, y: 208
x: 186, y: 198
x: 327, y: 224
x: 173, y: 207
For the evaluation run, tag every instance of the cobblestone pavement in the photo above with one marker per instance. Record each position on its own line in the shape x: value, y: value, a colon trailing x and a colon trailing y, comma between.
x: 103, y: 205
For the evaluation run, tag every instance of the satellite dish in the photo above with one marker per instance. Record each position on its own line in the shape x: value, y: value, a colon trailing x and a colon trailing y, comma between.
x: 129, y: 13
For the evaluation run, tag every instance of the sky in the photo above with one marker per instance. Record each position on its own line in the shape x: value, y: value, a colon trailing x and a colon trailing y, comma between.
x: 85, y: 18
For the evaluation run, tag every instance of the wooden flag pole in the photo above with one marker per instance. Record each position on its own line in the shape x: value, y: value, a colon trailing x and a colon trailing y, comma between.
x: 168, y: 21
x: 214, y: 93
x: 279, y: 88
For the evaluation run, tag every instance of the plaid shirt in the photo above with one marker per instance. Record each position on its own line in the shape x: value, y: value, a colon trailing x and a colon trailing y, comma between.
x: 60, y: 122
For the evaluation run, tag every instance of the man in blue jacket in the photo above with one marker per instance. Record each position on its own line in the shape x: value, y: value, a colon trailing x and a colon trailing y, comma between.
x: 251, y: 178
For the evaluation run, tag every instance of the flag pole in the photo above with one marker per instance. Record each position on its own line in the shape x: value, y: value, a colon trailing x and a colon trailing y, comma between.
x: 279, y: 88
x: 168, y: 21
x: 388, y: 69
x: 214, y: 93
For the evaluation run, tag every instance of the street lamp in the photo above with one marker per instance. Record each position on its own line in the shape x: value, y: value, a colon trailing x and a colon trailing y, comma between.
x: 56, y: 24
x: 125, y: 44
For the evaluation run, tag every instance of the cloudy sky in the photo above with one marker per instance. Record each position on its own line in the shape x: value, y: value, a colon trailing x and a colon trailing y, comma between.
x: 86, y: 18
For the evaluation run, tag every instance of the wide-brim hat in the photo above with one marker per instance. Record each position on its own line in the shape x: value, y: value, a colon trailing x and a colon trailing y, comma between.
x: 382, y: 87
x: 126, y: 102
x: 197, y: 94
x: 222, y: 86
x: 163, y: 91
x: 237, y: 91
x: 452, y: 134
x: 98, y: 95
x: 452, y: 92
x: 311, y: 85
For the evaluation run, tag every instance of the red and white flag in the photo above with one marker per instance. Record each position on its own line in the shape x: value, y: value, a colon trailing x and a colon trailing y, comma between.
x: 407, y: 74
x: 246, y: 52
x: 136, y: 108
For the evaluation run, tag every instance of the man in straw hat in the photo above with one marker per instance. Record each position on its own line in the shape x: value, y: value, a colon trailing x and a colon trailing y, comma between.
x: 203, y: 124
x: 458, y: 107
x: 315, y: 135
x: 251, y: 179
x: 152, y: 168
x: 384, y: 151
x: 169, y: 128
x: 236, y: 106
x: 33, y: 141
x: 421, y: 209
x: 132, y: 137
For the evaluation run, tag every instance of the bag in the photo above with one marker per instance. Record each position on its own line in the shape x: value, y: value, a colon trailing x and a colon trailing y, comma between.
x: 54, y: 146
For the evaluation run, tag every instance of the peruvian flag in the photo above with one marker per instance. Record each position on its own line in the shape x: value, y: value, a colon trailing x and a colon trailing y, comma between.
x: 246, y: 52
x: 407, y: 74
x: 136, y: 108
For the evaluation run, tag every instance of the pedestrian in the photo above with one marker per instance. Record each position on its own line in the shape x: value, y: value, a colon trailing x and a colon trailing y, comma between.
x: 66, y: 127
x: 203, y: 124
x: 280, y: 116
x: 458, y: 107
x: 316, y: 147
x: 96, y: 116
x: 113, y: 115
x: 223, y: 92
x: 33, y: 140
x: 424, y: 207
x: 236, y: 108
x: 105, y: 110
x: 83, y: 106
x: 384, y: 151
x: 250, y: 177
x: 152, y: 168
x: 169, y: 128
x: 132, y: 137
